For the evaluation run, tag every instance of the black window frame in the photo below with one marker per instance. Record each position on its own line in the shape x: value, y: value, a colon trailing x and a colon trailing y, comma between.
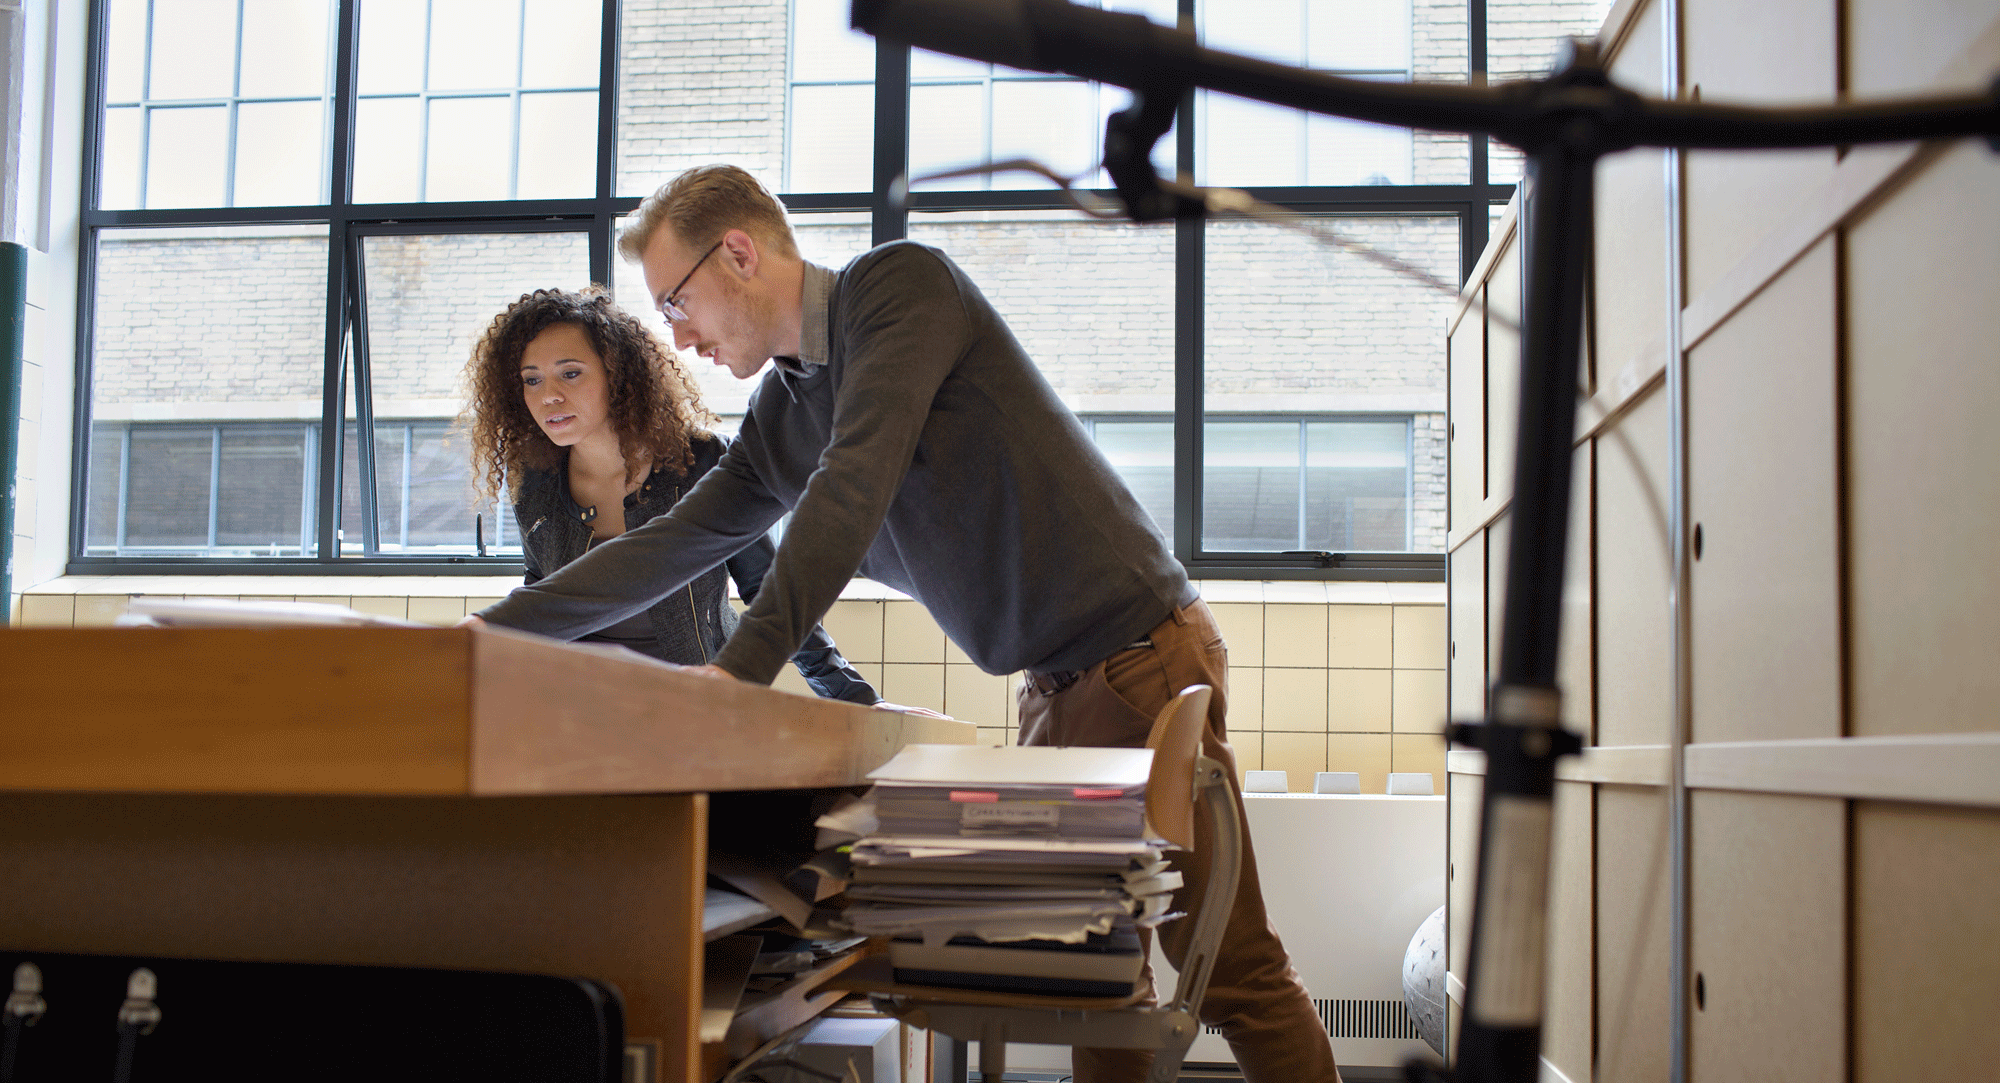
x: 347, y: 223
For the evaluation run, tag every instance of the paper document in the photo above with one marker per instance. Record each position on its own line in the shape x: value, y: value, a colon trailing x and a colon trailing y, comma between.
x: 144, y: 612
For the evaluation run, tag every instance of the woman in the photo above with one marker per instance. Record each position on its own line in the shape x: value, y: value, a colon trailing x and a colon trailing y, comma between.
x: 596, y: 429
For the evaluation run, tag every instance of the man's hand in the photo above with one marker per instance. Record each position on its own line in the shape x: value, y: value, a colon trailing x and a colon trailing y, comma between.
x: 885, y: 705
x: 710, y: 670
x: 472, y: 620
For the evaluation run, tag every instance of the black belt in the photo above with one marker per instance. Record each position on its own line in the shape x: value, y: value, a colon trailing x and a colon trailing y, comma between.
x: 1048, y: 684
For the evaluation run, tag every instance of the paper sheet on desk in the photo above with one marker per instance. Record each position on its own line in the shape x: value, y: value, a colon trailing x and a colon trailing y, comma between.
x: 144, y: 612
x: 969, y: 766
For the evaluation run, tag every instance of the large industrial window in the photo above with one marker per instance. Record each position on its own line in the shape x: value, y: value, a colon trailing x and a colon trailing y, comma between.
x: 301, y: 213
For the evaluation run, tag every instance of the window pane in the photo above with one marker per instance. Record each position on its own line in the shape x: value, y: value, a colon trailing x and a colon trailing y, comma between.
x: 825, y: 49
x: 558, y: 146
x: 194, y: 49
x: 167, y: 496
x: 1246, y: 143
x: 105, y: 488
x: 1143, y: 454
x: 285, y: 46
x: 1349, y: 152
x: 564, y: 42
x: 1357, y: 486
x: 475, y: 45
x: 1361, y: 35
x: 947, y: 130
x: 1250, y: 486
x: 391, y: 50
x: 831, y: 129
x: 125, y: 51
x: 468, y: 146
x: 1054, y: 122
x: 262, y: 487
x: 1267, y: 29
x: 187, y: 157
x: 701, y: 82
x: 177, y: 344
x: 439, y: 489
x: 278, y: 154
x: 430, y: 297
x: 387, y: 137
x: 1091, y: 301
x: 120, y: 178
x: 926, y: 65
x: 1293, y: 325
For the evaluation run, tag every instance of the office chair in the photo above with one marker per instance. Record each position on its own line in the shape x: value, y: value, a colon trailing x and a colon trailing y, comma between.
x: 1180, y: 777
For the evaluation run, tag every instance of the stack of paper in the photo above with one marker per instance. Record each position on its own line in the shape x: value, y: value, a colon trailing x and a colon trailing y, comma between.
x: 1025, y: 869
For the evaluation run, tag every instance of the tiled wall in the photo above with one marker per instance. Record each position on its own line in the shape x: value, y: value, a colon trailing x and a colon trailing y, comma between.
x: 1322, y: 676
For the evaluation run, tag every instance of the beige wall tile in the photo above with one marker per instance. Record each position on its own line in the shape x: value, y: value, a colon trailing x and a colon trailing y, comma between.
x: 1419, y: 752
x: 910, y: 635
x: 856, y: 626
x: 1246, y: 699
x: 1365, y: 753
x: 1358, y: 700
x: 1242, y: 625
x: 268, y: 598
x: 48, y: 610
x: 872, y: 673
x: 993, y: 735
x: 953, y: 654
x: 1359, y: 636
x: 1299, y: 755
x: 1295, y: 635
x: 1422, y: 637
x: 444, y: 611
x: 1295, y: 699
x: 1418, y: 702
x: 913, y: 685
x: 789, y: 679
x: 971, y: 695
x: 99, y: 610
x: 396, y: 607
x: 1249, y: 749
x: 324, y: 599
x: 474, y: 605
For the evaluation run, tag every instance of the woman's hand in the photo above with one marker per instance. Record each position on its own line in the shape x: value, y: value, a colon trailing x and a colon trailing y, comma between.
x: 710, y: 670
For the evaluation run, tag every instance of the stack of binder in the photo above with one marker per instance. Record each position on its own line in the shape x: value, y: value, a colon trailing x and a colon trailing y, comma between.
x: 1012, y: 868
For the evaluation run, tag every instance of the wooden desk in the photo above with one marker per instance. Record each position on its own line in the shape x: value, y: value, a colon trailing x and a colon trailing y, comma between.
x: 472, y: 798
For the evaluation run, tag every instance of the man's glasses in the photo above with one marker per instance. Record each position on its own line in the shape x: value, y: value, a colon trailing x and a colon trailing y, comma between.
x: 670, y: 306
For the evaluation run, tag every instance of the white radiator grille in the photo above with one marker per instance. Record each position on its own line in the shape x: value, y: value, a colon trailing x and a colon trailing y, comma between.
x: 1362, y: 1019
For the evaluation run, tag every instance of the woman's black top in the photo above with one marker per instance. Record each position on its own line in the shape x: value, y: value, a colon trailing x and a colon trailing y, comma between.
x: 689, y: 626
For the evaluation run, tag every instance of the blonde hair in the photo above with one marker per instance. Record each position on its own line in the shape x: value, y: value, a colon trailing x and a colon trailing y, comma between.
x: 702, y: 204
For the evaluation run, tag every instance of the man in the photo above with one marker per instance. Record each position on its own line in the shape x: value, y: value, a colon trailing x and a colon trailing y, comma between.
x: 914, y: 441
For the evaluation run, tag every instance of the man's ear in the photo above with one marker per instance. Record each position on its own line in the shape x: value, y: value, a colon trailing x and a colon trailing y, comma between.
x: 740, y: 253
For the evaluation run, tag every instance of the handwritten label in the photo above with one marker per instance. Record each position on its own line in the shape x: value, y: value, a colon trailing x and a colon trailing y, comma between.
x: 1013, y: 815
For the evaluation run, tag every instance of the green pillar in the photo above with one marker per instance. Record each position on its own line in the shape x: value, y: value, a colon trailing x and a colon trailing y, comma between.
x: 13, y: 334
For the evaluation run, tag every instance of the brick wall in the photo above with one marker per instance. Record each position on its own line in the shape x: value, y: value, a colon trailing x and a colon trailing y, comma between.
x: 703, y: 81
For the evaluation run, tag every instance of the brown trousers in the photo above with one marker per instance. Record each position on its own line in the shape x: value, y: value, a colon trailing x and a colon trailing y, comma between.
x: 1254, y: 996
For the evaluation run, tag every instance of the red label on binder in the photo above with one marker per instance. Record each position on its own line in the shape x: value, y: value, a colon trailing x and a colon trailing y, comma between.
x: 974, y: 795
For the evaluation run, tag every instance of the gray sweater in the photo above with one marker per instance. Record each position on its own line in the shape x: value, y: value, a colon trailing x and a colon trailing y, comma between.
x: 914, y: 442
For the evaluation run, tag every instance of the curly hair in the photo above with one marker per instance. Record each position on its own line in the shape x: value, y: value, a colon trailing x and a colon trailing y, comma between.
x: 655, y: 407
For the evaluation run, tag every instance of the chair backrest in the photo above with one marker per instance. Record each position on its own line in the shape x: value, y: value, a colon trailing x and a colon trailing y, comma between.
x: 1176, y: 741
